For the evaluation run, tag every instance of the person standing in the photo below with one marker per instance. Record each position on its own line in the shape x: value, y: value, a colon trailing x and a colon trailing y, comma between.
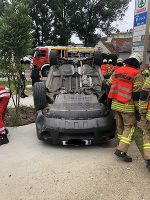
x: 104, y: 68
x: 4, y: 99
x: 35, y: 75
x: 125, y: 91
x: 144, y: 109
x: 110, y: 68
x: 119, y: 64
x: 23, y: 85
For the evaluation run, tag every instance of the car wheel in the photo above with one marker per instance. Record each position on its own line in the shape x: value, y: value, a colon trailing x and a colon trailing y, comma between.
x: 39, y: 96
x: 45, y: 71
x: 98, y: 58
x: 53, y: 57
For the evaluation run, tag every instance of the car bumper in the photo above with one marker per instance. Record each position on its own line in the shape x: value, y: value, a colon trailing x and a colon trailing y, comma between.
x: 60, y: 131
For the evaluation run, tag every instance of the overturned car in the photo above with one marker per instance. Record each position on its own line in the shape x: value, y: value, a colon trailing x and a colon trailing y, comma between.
x: 72, y: 106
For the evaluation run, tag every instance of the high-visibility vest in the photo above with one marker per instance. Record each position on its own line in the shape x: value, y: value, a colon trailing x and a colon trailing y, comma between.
x: 148, y: 112
x: 104, y: 69
x: 122, y: 84
x: 4, y: 92
x: 116, y: 67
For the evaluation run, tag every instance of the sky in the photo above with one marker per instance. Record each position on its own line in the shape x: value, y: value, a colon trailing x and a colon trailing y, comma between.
x: 123, y: 25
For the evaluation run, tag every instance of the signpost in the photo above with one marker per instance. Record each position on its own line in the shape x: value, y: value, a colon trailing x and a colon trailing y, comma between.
x: 141, y: 28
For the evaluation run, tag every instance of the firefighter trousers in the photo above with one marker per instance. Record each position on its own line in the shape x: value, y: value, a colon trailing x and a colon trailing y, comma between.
x: 3, y: 106
x: 146, y: 141
x: 125, y: 127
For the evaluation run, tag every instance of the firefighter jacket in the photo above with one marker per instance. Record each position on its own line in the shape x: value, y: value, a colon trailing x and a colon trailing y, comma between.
x: 126, y: 83
x: 4, y: 92
x: 144, y: 103
x: 104, y: 69
x: 116, y: 67
x: 146, y: 73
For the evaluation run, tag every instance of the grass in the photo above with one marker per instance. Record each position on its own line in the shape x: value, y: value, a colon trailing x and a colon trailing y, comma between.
x: 27, y: 91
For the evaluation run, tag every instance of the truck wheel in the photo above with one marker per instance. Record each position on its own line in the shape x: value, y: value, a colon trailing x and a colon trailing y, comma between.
x: 39, y: 96
x: 45, y: 71
x: 53, y: 57
x: 98, y: 58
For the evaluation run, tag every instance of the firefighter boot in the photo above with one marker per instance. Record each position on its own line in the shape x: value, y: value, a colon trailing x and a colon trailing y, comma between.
x: 148, y: 165
x: 123, y: 156
x: 3, y: 139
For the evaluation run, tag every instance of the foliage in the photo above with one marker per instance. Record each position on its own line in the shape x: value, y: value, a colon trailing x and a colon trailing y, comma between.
x: 15, y: 27
x: 55, y: 21
x: 62, y: 21
x: 41, y: 21
x: 91, y: 15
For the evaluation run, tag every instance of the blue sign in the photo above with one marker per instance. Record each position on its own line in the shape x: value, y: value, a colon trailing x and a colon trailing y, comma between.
x: 140, y: 19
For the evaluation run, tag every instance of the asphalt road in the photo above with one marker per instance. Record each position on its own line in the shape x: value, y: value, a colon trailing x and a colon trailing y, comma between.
x: 33, y: 170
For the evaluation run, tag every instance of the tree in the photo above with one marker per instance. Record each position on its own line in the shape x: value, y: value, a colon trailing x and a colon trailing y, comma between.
x: 91, y: 15
x: 15, y: 27
x: 42, y: 21
x: 61, y: 11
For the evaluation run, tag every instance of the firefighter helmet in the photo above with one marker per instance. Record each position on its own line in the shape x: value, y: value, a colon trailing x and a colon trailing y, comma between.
x: 137, y: 56
x: 134, y: 60
x: 104, y: 61
x: 119, y: 60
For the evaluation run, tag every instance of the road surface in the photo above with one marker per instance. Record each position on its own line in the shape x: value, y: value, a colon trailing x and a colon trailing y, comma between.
x: 33, y: 170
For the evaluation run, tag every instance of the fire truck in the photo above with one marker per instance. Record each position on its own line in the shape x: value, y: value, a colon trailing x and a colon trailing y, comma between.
x: 42, y: 57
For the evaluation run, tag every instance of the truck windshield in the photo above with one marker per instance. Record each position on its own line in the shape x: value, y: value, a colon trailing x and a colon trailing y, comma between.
x: 40, y: 54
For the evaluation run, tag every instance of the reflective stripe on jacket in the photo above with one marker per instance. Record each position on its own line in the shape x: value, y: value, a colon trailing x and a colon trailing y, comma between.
x: 123, y: 107
x: 4, y: 92
x: 122, y: 84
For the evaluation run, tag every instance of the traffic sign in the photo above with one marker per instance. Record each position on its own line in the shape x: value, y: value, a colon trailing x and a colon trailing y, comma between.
x: 138, y: 43
x: 140, y: 19
x: 138, y: 33
x: 141, y: 6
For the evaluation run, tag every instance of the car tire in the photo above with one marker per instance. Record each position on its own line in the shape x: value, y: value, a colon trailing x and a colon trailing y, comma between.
x: 45, y: 71
x: 98, y: 58
x: 39, y: 96
x: 53, y: 57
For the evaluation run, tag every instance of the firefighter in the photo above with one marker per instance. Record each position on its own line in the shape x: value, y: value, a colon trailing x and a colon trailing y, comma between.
x: 110, y: 68
x: 4, y: 99
x: 23, y: 85
x: 104, y: 68
x: 119, y: 63
x: 124, y: 92
x: 144, y: 109
x: 35, y: 75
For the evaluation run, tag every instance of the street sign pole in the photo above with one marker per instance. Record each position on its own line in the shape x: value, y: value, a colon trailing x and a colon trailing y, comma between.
x: 141, y: 29
x: 146, y: 38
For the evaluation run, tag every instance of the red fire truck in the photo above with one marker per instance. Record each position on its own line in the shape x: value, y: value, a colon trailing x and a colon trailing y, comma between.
x: 42, y: 58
